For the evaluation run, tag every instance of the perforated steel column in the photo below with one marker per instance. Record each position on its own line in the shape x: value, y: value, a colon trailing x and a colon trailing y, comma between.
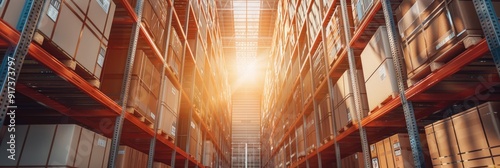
x: 355, y: 85
x: 125, y: 87
x: 491, y: 27
x: 411, y: 122
x: 14, y: 57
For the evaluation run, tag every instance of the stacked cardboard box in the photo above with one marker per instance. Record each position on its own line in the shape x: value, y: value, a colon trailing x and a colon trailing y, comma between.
x: 62, y: 145
x: 175, y: 51
x: 128, y: 157
x: 301, y: 151
x: 335, y: 36
x: 209, y: 154
x: 160, y: 165
x: 355, y: 160
x: 378, y: 69
x: 344, y: 104
x: 360, y: 8
x: 318, y: 64
x: 314, y: 21
x: 76, y: 32
x: 194, y: 141
x: 302, y: 13
x: 468, y: 139
x: 154, y: 18
x: 170, y: 109
x: 395, y: 151
x: 326, y: 121
x: 144, y: 85
x: 429, y: 28
x: 307, y: 90
x: 310, y: 132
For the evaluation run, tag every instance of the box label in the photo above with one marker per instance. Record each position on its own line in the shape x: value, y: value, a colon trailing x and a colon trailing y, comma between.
x: 397, y: 152
x: 381, y: 72
x: 396, y: 145
x: 173, y: 129
x: 104, y: 5
x: 100, y: 58
x: 355, y: 156
x: 121, y: 152
x: 349, y: 118
x: 174, y: 91
x: 53, y: 10
x: 375, y: 163
x: 152, y: 115
x: 445, y: 40
x: 372, y: 147
x: 193, y: 125
x: 101, y: 142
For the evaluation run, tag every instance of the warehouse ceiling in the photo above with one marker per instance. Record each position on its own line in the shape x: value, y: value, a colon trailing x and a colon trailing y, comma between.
x: 246, y: 28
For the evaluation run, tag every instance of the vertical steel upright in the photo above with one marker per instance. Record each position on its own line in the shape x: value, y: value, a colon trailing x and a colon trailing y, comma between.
x: 126, y: 85
x: 397, y: 57
x: 14, y: 58
x: 491, y: 28
x: 355, y: 85
x: 190, y: 116
x: 152, y: 144
x: 330, y: 91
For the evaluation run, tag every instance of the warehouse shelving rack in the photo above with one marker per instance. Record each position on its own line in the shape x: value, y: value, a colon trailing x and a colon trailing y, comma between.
x: 469, y: 76
x: 62, y: 96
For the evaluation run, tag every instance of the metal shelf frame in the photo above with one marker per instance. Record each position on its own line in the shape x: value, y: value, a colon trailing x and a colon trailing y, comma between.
x: 402, y: 102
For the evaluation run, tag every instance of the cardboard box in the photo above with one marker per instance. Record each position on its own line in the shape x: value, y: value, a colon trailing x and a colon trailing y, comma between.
x: 11, y: 11
x: 63, y: 145
x: 79, y: 29
x: 20, y: 134
x: 431, y: 142
x: 353, y: 161
x: 378, y: 69
x: 300, y: 141
x: 444, y: 133
x: 307, y: 90
x: 144, y: 85
x: 489, y: 113
x: 335, y: 35
x: 428, y: 28
x: 160, y: 165
x: 470, y: 137
x: 171, y: 96
x: 128, y: 157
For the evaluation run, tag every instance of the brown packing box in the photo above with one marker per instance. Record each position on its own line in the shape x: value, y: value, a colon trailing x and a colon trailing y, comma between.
x: 20, y: 134
x: 374, y: 156
x: 126, y: 157
x: 310, y: 131
x: 144, y: 85
x: 65, y: 146
x: 307, y: 92
x: 353, y: 161
x: 381, y: 155
x: 431, y: 142
x: 489, y: 113
x: 84, y: 44
x: 300, y: 141
x: 401, y: 150
x: 37, y: 145
x: 11, y: 11
x: 378, y: 69
x: 160, y: 165
x: 444, y: 133
x: 470, y: 137
x: 168, y: 121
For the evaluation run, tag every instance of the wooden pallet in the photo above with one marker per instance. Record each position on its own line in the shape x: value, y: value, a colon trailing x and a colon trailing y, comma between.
x: 66, y: 59
x: 166, y: 136
x: 142, y: 117
x: 385, y: 101
x: 440, y: 58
